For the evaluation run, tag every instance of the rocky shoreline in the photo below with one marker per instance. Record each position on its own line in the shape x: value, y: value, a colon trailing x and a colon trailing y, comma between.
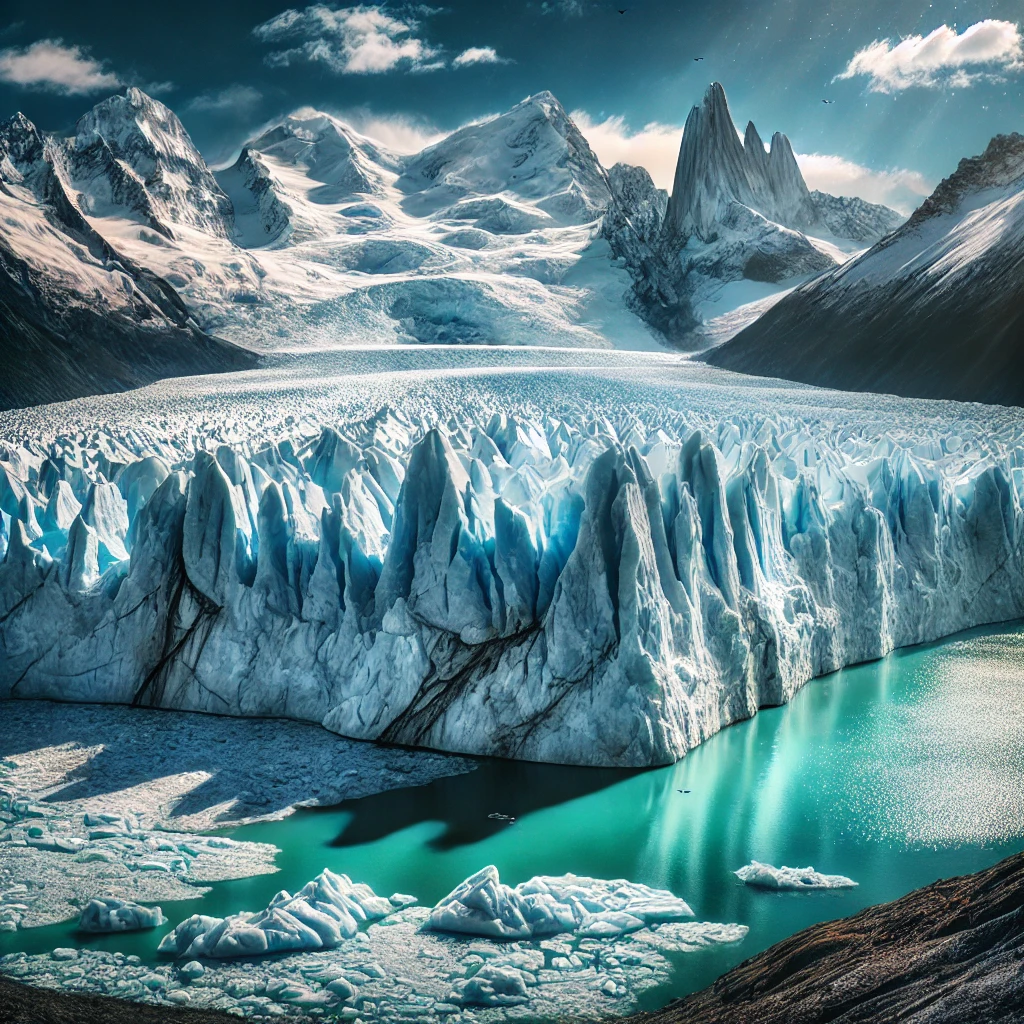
x: 950, y: 953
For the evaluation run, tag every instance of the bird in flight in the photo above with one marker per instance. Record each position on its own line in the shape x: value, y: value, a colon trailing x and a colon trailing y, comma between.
x: 828, y: 101
x: 698, y: 58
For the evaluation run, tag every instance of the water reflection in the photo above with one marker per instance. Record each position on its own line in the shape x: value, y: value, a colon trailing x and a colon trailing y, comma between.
x: 474, y: 806
x: 894, y: 773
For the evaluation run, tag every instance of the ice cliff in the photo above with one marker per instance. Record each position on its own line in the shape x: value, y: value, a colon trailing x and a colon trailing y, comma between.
x: 596, y: 586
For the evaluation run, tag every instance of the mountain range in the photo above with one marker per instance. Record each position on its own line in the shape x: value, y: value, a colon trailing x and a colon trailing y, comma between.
x: 934, y: 310
x: 508, y: 231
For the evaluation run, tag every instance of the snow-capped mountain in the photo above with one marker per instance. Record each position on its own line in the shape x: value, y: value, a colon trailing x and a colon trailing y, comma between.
x: 76, y: 314
x: 130, y: 153
x: 739, y: 210
x: 935, y: 309
x: 507, y: 231
x: 283, y: 180
x: 493, y: 235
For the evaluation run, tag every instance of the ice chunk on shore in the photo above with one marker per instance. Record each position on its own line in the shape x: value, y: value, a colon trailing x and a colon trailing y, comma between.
x: 764, y: 876
x: 319, y: 916
x: 107, y: 914
x: 547, y: 905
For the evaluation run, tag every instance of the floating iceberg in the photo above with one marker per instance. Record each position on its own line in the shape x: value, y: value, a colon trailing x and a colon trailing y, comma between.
x: 319, y: 916
x: 114, y: 915
x: 764, y: 876
x: 544, y: 906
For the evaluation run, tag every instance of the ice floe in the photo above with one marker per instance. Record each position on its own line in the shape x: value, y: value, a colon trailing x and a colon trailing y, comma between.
x: 764, y: 876
x: 544, y: 906
x: 108, y: 914
x: 399, y: 968
x: 319, y: 916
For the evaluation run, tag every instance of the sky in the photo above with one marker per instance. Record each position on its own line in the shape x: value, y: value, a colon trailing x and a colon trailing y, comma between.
x: 913, y: 86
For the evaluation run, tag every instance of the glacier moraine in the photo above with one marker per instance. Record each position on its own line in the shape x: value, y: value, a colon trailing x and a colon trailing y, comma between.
x: 579, y: 557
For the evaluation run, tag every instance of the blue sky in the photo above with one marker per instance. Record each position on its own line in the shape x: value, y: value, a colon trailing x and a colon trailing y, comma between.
x: 915, y: 86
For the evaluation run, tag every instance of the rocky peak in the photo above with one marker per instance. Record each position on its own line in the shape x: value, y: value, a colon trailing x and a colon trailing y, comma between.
x: 21, y: 145
x: 132, y: 133
x: 716, y: 169
x: 1000, y: 166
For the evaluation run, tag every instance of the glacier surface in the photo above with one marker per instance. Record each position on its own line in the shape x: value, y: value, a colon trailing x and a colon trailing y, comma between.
x: 580, y: 557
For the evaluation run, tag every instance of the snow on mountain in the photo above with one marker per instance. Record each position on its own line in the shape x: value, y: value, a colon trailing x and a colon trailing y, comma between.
x: 740, y: 211
x: 491, y: 236
x: 283, y: 180
x: 76, y: 314
x: 130, y: 155
x: 585, y: 557
x: 935, y: 309
x: 532, y: 161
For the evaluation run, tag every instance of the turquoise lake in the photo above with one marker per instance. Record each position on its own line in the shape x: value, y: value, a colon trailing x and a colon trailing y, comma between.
x: 895, y: 773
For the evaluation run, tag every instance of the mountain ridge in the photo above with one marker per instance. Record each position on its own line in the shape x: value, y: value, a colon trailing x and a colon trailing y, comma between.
x: 935, y: 309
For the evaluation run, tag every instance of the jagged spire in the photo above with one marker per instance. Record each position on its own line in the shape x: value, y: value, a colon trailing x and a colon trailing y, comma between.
x: 716, y: 168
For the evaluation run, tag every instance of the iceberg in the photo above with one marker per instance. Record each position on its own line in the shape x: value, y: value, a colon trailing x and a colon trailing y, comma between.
x: 764, y: 876
x: 108, y: 914
x: 588, y: 907
x: 320, y: 915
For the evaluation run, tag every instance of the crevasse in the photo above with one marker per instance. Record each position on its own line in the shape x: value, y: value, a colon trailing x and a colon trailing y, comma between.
x: 567, y: 589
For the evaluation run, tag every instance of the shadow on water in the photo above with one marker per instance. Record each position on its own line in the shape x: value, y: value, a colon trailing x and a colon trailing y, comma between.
x: 473, y: 806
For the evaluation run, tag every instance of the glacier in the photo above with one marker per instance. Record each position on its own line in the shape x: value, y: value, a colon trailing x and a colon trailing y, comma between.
x: 580, y: 557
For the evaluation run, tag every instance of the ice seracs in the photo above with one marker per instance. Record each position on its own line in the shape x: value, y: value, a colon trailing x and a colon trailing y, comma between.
x: 764, y: 876
x: 608, y: 579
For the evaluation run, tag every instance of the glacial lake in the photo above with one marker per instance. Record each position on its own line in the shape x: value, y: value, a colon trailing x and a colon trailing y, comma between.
x: 895, y: 773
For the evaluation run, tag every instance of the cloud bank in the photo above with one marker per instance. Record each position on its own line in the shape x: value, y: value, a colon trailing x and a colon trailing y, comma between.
x: 901, y: 189
x: 363, y: 40
x: 655, y: 146
x: 985, y: 50
x: 235, y: 99
x: 49, y: 64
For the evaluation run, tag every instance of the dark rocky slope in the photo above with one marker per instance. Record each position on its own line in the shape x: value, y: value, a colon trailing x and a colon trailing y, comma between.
x: 934, y: 310
x: 951, y: 953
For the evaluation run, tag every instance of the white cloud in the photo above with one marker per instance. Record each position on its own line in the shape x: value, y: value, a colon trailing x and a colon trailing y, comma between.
x: 899, y: 188
x: 351, y: 40
x: 655, y: 146
x: 567, y: 8
x: 398, y: 132
x: 940, y: 58
x: 235, y: 99
x: 49, y: 64
x: 478, y: 55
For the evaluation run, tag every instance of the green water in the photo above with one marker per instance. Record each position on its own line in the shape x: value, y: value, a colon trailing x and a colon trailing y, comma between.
x: 895, y: 773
